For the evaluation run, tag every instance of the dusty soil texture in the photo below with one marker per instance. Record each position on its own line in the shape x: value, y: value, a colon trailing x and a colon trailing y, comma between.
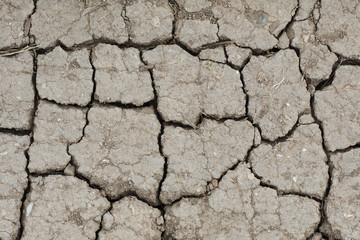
x: 180, y: 119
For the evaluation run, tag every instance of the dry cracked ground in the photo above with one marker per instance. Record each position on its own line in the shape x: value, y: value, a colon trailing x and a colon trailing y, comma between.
x: 180, y: 119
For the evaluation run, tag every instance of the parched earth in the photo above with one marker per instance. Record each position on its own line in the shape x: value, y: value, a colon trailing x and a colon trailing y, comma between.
x: 180, y: 119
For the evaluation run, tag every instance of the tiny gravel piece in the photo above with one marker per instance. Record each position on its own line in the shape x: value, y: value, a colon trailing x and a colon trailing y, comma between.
x: 130, y: 218
x: 202, y: 155
x: 254, y: 24
x: 338, y: 27
x: 119, y: 152
x: 206, y: 87
x: 194, y: 5
x: 241, y: 209
x: 236, y: 55
x: 342, y: 205
x: 149, y: 21
x: 316, y: 61
x: 54, y: 128
x: 65, y: 77
x: 62, y: 207
x: 13, y: 181
x: 277, y: 93
x: 337, y: 107
x: 119, y: 77
x: 296, y: 165
x: 16, y: 91
x: 215, y: 54
x: 196, y: 33
x: 12, y: 17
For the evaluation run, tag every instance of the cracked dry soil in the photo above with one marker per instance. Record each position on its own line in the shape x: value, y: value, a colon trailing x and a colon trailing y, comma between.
x: 180, y: 119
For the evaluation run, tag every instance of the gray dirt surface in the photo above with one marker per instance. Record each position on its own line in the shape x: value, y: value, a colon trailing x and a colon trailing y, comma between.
x: 296, y: 165
x: 12, y: 17
x: 49, y: 151
x: 180, y: 119
x: 65, y: 77
x: 252, y: 23
x: 206, y: 87
x: 338, y: 27
x: 62, y: 207
x: 16, y: 91
x: 131, y: 218
x: 274, y: 78
x: 121, y: 76
x: 122, y: 145
x: 342, y: 205
x: 337, y: 107
x: 202, y: 155
x: 316, y: 61
x: 13, y: 181
x: 149, y: 21
x: 240, y: 199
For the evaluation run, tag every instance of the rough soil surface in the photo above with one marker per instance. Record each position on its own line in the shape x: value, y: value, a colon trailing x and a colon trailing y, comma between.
x: 16, y: 91
x: 270, y: 83
x: 240, y: 199
x: 62, y: 207
x: 341, y: 119
x: 65, y: 78
x: 121, y: 144
x: 13, y: 182
x: 202, y: 155
x: 131, y: 218
x: 179, y: 119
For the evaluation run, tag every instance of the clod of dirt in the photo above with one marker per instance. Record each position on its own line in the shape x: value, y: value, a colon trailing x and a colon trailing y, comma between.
x: 106, y: 20
x: 296, y: 165
x: 13, y: 181
x: 306, y: 119
x: 254, y: 24
x: 13, y: 15
x: 305, y: 9
x: 119, y: 152
x: 277, y: 93
x: 195, y: 157
x: 316, y: 61
x: 16, y: 91
x: 149, y: 21
x: 342, y: 204
x: 215, y: 54
x: 284, y: 41
x: 120, y: 76
x: 65, y: 77
x: 54, y: 128
x: 196, y: 33
x: 241, y: 209
x: 236, y: 55
x: 338, y: 27
x: 205, y: 87
x: 337, y: 107
x: 60, y: 20
x: 130, y: 218
x: 62, y: 207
